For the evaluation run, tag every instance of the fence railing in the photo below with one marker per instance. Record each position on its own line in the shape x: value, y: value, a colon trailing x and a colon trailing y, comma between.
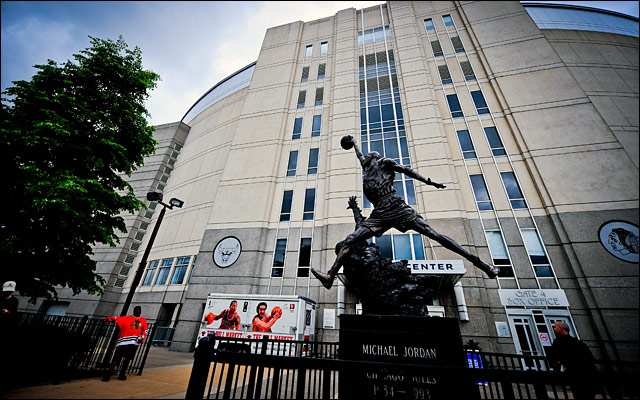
x: 163, y: 336
x: 56, y: 348
x: 274, y: 369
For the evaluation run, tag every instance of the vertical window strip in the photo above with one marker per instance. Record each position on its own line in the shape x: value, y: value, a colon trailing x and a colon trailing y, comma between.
x: 467, y: 71
x: 163, y: 271
x: 309, y: 204
x: 305, y: 74
x: 179, y: 271
x: 324, y: 48
x: 319, y: 96
x: 316, y: 126
x: 321, y: 71
x: 445, y: 76
x: 479, y: 101
x: 516, y: 198
x: 297, y: 128
x: 481, y: 193
x: 293, y: 163
x: 466, y: 144
x: 437, y: 49
x: 497, y: 148
x: 308, y: 50
x: 313, y: 161
x: 279, y: 257
x: 304, y: 257
x: 537, y: 253
x: 302, y: 96
x: 285, y: 210
x: 454, y: 106
x: 499, y: 253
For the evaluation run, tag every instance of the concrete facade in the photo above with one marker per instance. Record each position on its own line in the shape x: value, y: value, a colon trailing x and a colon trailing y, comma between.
x: 563, y: 102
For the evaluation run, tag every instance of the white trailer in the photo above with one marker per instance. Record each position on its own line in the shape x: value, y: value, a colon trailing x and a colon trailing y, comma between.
x: 297, y: 321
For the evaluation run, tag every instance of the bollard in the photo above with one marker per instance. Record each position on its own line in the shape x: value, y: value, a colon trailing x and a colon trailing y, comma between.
x: 202, y: 358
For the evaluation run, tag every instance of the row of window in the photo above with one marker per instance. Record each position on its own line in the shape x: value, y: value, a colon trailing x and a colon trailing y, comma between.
x: 312, y: 167
x: 466, y: 144
x: 478, y: 101
x: 304, y: 258
x: 302, y: 97
x: 165, y: 271
x: 309, y: 205
x: 533, y: 245
x: 315, y: 127
x: 321, y: 73
x: 483, y: 200
x: 445, y: 75
x: 324, y: 49
x: 374, y: 35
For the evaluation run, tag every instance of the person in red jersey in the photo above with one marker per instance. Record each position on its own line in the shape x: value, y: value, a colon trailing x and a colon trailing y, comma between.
x: 230, y: 317
x: 262, y: 322
x: 132, y: 330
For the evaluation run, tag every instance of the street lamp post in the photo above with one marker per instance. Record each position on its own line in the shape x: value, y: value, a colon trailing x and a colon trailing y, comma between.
x: 151, y: 196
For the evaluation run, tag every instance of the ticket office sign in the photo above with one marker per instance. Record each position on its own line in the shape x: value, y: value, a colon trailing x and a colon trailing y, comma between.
x: 533, y: 297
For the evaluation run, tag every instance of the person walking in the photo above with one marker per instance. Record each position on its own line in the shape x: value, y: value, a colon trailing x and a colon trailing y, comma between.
x: 132, y: 330
x: 571, y: 356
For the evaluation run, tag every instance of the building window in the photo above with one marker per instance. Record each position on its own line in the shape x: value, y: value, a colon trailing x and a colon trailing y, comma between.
x: 499, y: 255
x: 304, y: 257
x: 297, y: 128
x: 497, y: 148
x: 308, y: 51
x: 401, y: 247
x: 148, y: 275
x: 448, y: 21
x: 536, y: 252
x: 285, y: 210
x: 428, y: 25
x: 324, y: 48
x: 163, y: 272
x: 302, y: 96
x: 321, y: 71
x: 481, y: 193
x: 305, y: 74
x: 319, y: 96
x: 374, y: 35
x: 445, y: 76
x: 309, y: 204
x: 293, y: 163
x: 513, y: 190
x: 437, y: 49
x: 313, y: 162
x: 467, y: 71
x: 316, y: 126
x: 454, y: 106
x: 466, y: 145
x: 478, y: 100
x: 180, y: 270
x: 278, y: 258
x: 457, y: 44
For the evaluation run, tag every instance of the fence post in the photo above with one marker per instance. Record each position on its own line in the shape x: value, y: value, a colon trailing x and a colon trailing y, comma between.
x: 146, y: 350
x: 201, y: 366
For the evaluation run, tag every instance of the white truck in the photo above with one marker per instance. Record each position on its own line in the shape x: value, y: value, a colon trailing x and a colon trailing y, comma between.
x: 297, y: 318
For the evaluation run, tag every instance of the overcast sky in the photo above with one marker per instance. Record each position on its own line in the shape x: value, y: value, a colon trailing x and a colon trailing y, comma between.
x: 192, y: 45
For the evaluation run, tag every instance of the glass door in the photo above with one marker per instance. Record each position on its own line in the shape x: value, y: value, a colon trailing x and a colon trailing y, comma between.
x: 526, y: 339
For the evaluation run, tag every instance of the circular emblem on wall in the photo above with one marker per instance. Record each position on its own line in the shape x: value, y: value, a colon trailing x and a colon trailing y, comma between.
x: 620, y: 239
x: 227, y: 252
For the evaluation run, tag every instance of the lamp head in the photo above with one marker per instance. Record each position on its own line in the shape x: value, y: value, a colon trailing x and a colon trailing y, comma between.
x: 154, y: 196
x: 176, y: 202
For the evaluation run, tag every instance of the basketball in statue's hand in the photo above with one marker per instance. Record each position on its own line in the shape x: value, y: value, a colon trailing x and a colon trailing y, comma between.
x: 347, y: 142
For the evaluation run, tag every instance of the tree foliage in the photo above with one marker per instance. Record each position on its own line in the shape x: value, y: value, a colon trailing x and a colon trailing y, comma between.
x: 69, y: 136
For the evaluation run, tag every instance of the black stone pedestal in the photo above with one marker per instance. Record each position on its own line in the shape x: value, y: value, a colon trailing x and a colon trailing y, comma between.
x: 397, y: 340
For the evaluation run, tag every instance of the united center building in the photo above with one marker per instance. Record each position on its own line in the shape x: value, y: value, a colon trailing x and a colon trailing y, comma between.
x: 528, y: 113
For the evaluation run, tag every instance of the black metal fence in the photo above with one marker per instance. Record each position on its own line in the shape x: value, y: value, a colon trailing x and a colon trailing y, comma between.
x: 276, y: 369
x: 40, y: 348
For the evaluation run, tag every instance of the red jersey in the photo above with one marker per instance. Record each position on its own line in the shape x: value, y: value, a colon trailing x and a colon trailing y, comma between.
x: 130, y: 328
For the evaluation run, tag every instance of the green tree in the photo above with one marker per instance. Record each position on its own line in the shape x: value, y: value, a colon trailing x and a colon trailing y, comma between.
x: 69, y: 136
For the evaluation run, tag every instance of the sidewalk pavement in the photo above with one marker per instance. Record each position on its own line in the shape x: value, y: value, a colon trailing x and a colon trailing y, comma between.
x: 165, y: 376
x: 169, y: 382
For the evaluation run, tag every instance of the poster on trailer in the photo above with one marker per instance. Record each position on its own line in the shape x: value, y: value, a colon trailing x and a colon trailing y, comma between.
x: 252, y: 319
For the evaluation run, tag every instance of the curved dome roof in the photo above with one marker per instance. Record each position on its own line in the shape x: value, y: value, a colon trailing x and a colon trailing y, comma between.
x: 229, y: 85
x: 571, y: 17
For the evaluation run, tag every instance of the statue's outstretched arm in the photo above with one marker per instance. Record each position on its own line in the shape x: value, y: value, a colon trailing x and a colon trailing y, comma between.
x: 413, y: 174
x: 357, y: 212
